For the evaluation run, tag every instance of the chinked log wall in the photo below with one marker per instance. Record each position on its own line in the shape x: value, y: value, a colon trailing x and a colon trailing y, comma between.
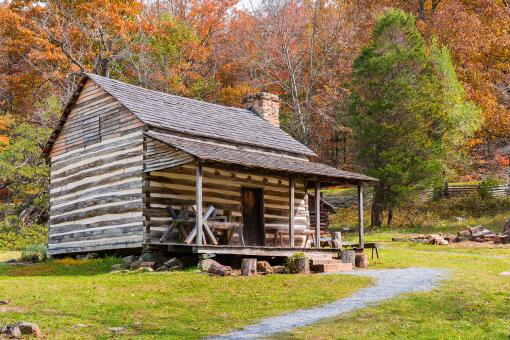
x: 96, y: 177
x: 222, y: 188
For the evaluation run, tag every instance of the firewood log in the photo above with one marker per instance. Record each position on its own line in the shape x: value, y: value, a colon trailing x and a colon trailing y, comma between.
x: 216, y: 268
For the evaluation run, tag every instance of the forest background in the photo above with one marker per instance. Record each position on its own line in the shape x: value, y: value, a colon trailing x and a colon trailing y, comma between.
x: 221, y: 50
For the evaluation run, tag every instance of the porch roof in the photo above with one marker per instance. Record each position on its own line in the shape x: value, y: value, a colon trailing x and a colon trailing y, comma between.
x: 231, y: 154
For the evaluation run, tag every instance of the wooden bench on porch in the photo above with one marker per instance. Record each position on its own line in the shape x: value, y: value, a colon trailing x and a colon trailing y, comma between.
x: 280, y: 232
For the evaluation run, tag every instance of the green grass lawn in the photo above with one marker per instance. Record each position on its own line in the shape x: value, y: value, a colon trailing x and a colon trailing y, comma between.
x: 473, y: 303
x: 79, y: 299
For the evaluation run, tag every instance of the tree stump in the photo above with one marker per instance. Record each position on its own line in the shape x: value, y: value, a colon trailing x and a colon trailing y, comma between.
x: 361, y: 260
x: 336, y: 240
x: 298, y: 264
x: 302, y: 265
x: 249, y: 267
x: 348, y: 256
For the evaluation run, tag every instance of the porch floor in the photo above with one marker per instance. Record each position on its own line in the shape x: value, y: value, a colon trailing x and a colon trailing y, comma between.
x: 269, y: 251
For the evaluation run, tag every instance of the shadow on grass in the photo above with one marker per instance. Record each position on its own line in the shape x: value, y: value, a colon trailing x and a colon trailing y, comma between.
x: 62, y: 267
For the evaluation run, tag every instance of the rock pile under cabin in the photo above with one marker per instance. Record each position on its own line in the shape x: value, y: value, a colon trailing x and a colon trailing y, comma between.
x: 237, y: 266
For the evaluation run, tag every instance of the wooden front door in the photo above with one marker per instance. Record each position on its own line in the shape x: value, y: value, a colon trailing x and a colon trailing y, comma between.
x: 253, y: 230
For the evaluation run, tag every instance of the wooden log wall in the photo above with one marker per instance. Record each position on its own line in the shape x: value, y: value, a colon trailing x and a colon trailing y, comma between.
x: 222, y: 189
x: 96, y: 177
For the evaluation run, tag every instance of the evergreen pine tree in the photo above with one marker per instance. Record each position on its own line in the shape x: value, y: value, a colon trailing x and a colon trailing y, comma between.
x: 401, y: 112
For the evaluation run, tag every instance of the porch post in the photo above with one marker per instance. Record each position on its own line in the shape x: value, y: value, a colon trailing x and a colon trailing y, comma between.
x: 317, y: 214
x: 198, y: 200
x: 360, y: 216
x: 292, y: 184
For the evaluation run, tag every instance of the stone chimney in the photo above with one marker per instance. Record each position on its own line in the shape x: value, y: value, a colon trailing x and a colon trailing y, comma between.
x: 265, y: 105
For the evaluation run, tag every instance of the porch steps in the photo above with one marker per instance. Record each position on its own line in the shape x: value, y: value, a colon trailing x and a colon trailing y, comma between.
x: 330, y: 266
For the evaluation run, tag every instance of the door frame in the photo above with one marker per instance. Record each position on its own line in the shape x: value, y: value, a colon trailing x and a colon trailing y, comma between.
x: 262, y: 208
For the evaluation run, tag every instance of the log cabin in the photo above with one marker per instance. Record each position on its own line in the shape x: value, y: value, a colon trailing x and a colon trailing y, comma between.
x: 132, y: 168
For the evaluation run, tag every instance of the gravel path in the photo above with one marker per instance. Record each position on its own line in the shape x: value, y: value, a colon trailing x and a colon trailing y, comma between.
x: 388, y: 283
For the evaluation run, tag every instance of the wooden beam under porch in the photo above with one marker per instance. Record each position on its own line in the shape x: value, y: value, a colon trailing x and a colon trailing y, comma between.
x: 314, y: 253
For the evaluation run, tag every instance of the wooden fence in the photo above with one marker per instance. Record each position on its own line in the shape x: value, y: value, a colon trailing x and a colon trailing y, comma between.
x: 448, y: 190
x: 469, y: 189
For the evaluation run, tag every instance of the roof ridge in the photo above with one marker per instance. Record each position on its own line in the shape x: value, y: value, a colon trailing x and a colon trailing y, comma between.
x: 91, y: 75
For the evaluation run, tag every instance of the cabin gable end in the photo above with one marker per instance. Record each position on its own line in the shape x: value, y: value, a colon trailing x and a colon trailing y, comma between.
x: 96, y: 176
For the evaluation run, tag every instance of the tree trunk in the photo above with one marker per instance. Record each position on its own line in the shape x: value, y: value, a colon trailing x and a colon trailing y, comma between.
x: 421, y: 9
x: 249, y: 267
x: 376, y: 214
x: 378, y: 206
x: 390, y: 216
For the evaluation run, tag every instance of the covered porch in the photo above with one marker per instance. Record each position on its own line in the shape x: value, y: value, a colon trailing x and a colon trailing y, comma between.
x: 202, y: 227
x: 229, y: 200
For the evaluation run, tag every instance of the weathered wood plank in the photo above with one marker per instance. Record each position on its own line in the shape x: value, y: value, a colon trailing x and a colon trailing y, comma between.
x: 116, y: 197
x: 97, y: 234
x: 111, y: 222
x: 116, y: 209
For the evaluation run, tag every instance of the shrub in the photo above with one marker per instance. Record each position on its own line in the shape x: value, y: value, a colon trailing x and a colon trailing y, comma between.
x: 291, y: 265
x: 34, y: 253
x: 15, y: 236
x: 485, y: 187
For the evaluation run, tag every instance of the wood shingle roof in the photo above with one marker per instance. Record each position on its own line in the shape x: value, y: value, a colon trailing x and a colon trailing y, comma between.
x: 229, y: 154
x: 175, y: 113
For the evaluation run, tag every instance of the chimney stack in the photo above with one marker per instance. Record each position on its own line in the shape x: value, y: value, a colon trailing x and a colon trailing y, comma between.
x: 265, y: 105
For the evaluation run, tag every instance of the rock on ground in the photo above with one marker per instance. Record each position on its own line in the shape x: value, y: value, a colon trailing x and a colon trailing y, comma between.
x: 263, y: 267
x: 278, y: 269
x: 18, y: 329
x: 117, y: 330
x: 205, y: 264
